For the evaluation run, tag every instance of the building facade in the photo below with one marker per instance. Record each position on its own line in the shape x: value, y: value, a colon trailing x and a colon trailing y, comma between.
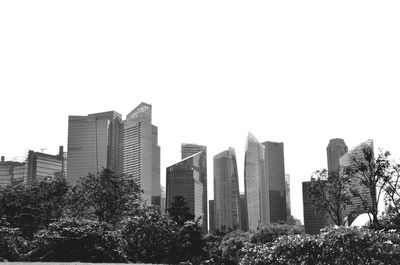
x: 226, y: 191
x: 141, y: 153
x: 211, y: 226
x: 287, y: 191
x: 94, y: 142
x: 256, y: 184
x: 244, y: 220
x: 335, y: 149
x: 313, y: 220
x: 183, y: 179
x: 275, y: 174
x: 189, y: 150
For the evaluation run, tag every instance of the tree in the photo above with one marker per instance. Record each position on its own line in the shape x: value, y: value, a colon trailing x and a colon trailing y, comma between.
x: 73, y: 240
x: 373, y: 174
x: 33, y: 207
x: 179, y: 212
x: 106, y: 197
x: 329, y: 192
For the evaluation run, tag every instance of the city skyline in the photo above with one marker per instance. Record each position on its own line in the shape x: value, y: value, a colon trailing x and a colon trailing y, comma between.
x: 300, y: 73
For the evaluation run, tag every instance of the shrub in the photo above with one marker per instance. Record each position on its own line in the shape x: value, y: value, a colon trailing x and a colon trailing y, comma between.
x: 73, y: 240
x: 12, y: 245
x: 270, y: 232
x: 332, y: 246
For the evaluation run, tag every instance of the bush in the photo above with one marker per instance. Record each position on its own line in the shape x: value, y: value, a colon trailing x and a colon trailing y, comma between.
x: 150, y: 236
x: 332, y: 246
x: 73, y: 240
x: 270, y: 232
x: 12, y: 245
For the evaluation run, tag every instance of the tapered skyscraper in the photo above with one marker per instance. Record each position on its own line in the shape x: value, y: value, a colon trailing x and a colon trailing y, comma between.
x: 275, y: 174
x: 226, y: 191
x: 141, y: 153
x: 256, y: 184
x: 189, y: 150
x: 94, y: 142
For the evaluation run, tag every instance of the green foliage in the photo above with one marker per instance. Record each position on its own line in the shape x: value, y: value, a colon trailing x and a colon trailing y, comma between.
x: 106, y: 197
x: 149, y: 236
x: 12, y: 245
x: 33, y: 207
x: 332, y: 246
x: 73, y: 240
x: 271, y: 232
x: 231, y: 246
x: 179, y: 212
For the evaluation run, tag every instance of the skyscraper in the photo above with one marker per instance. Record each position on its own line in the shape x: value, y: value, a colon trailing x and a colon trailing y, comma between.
x: 94, y: 142
x: 335, y: 149
x: 226, y: 191
x: 211, y: 206
x: 313, y: 220
x: 189, y: 150
x: 275, y: 174
x: 244, y: 220
x: 183, y: 179
x: 141, y: 153
x: 287, y: 191
x: 256, y: 184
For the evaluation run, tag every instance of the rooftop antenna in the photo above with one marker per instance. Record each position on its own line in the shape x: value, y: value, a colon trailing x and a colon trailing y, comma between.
x: 41, y: 150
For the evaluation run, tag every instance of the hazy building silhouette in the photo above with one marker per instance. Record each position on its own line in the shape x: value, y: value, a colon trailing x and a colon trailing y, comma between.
x: 226, y: 191
x: 352, y: 158
x: 183, y: 179
x: 141, y: 153
x: 275, y: 174
x: 211, y: 216
x: 287, y: 192
x: 256, y: 184
x: 335, y: 149
x: 94, y: 142
x: 189, y: 150
x: 244, y: 221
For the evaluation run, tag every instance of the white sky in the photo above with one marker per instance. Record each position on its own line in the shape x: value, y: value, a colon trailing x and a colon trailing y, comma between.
x: 300, y: 72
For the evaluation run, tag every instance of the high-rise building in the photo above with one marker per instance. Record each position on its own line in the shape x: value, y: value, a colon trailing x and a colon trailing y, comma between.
x: 335, y: 149
x: 226, y: 191
x: 313, y: 220
x: 212, y: 216
x: 287, y: 191
x: 244, y: 221
x: 355, y: 157
x: 183, y: 179
x: 256, y: 184
x: 94, y: 142
x: 141, y: 153
x: 275, y: 174
x: 189, y: 150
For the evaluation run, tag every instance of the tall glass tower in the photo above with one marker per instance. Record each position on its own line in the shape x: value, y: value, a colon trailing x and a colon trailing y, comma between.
x: 226, y: 191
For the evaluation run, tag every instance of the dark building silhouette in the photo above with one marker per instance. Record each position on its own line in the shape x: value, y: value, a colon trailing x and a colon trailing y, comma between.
x: 184, y: 179
x: 335, y: 149
x: 189, y: 150
x: 244, y: 221
x: 275, y: 173
x: 313, y: 220
x: 226, y: 191
x: 211, y: 216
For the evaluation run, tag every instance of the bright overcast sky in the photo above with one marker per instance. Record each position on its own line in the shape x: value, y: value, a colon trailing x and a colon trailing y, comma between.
x: 298, y: 72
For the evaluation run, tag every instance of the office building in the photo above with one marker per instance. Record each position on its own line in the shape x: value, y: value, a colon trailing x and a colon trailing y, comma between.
x: 244, y: 222
x: 189, y: 150
x: 37, y: 167
x: 275, y: 174
x: 256, y: 184
x: 212, y: 216
x: 141, y: 153
x: 94, y: 143
x: 335, y: 149
x: 226, y: 191
x: 183, y: 179
x: 353, y: 158
x: 313, y: 220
